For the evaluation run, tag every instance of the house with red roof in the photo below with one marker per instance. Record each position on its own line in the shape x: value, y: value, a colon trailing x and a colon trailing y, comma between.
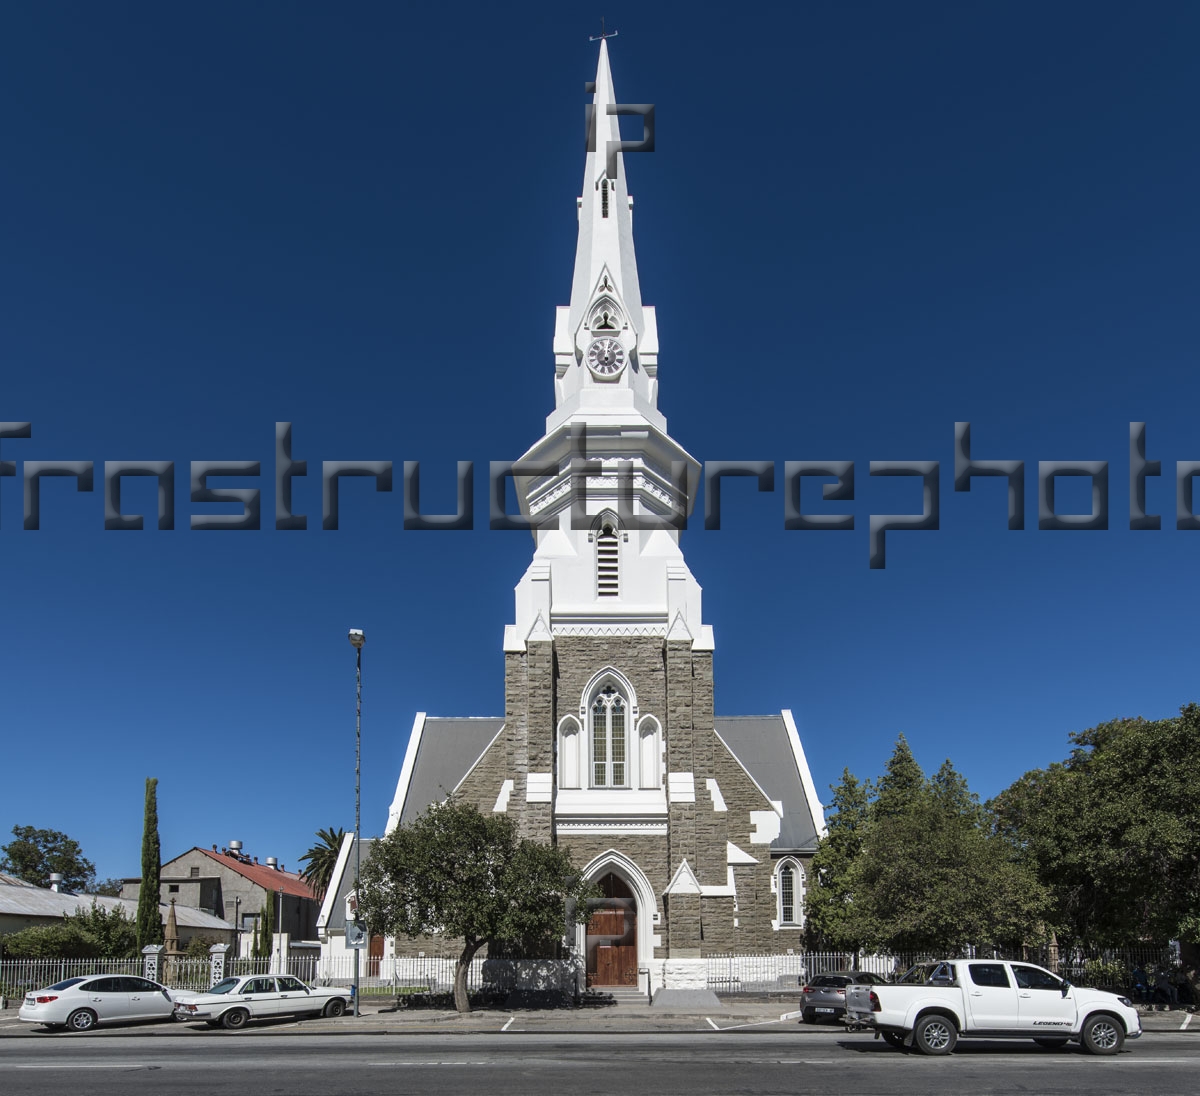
x: 231, y: 885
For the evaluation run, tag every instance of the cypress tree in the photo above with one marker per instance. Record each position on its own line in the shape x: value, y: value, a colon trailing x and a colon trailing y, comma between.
x: 149, y: 921
x: 266, y: 928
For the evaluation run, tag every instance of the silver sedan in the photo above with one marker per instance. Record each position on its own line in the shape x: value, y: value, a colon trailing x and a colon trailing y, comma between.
x: 79, y: 1004
x: 824, y: 995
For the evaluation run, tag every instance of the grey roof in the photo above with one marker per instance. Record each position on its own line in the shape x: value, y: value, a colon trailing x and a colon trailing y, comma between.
x: 760, y: 743
x: 22, y: 900
x: 448, y: 749
x: 337, y: 914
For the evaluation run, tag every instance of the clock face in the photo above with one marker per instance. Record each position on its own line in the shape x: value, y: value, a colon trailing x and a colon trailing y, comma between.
x: 606, y: 357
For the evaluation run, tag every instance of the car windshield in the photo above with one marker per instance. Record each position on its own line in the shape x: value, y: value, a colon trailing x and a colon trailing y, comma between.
x: 225, y: 986
x: 67, y: 983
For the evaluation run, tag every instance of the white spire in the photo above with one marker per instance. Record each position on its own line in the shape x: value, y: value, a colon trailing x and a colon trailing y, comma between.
x: 605, y: 339
x: 605, y: 219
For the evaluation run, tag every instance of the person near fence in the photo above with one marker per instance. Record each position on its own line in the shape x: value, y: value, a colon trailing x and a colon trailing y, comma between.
x: 1164, y: 989
x: 1141, y: 984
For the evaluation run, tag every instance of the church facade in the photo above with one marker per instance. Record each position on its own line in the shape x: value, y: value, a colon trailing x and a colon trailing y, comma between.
x: 698, y: 829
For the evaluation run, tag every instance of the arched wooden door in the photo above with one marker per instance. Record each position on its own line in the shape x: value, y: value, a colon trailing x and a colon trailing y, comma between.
x: 612, y: 958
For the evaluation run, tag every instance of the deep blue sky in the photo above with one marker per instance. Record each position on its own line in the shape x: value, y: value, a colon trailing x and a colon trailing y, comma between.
x: 861, y: 223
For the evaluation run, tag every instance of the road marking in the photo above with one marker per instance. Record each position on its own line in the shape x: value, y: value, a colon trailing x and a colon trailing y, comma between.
x: 1186, y: 1020
x: 508, y: 1023
x: 757, y: 1023
x: 791, y: 1015
x: 81, y: 1065
x: 711, y: 1024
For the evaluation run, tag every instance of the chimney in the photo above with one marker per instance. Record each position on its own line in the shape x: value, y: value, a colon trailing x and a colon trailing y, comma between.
x: 56, y: 881
x: 235, y: 846
x: 272, y: 863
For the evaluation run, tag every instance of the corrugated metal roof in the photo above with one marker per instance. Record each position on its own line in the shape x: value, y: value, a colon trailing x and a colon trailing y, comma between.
x: 22, y: 900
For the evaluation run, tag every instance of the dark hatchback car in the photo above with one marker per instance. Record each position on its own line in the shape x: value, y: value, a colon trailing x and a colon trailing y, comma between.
x: 824, y: 995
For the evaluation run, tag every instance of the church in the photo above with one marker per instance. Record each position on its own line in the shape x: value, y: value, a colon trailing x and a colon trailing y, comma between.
x: 698, y: 829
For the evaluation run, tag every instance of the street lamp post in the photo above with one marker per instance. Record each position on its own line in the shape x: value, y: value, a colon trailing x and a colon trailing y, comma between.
x: 357, y: 639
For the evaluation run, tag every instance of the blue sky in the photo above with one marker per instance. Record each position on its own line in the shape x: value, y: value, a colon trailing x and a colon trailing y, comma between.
x: 861, y: 223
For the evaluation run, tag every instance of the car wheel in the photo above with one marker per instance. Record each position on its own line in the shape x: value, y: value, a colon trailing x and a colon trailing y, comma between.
x: 235, y: 1018
x: 1052, y: 1044
x: 82, y: 1019
x: 808, y: 1017
x: 335, y: 1007
x: 893, y: 1039
x: 935, y: 1034
x: 1102, y: 1034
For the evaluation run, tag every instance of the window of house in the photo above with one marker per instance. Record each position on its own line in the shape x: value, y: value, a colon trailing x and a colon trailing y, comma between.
x: 609, y: 711
x: 172, y: 888
x: 194, y: 873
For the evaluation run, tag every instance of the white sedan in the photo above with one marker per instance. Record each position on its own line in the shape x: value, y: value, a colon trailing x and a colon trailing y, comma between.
x: 233, y: 1002
x: 79, y: 1004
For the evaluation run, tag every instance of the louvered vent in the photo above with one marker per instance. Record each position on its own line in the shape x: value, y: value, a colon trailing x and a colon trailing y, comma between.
x: 607, y: 564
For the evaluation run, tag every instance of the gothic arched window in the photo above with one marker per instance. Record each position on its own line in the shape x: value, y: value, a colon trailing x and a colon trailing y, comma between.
x: 609, y: 715
x: 790, y: 885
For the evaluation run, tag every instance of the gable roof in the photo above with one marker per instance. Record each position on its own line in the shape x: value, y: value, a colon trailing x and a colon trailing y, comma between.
x: 268, y: 878
x: 762, y: 743
x: 333, y: 911
x: 445, y: 751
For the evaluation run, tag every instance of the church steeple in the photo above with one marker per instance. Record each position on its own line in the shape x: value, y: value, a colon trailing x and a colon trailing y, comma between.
x: 607, y: 550
x: 606, y: 338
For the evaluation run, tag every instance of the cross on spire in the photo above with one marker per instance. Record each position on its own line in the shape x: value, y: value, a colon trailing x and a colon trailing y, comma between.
x: 603, y: 33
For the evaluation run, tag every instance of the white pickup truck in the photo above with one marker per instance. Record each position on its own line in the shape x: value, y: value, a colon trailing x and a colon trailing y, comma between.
x: 936, y: 1004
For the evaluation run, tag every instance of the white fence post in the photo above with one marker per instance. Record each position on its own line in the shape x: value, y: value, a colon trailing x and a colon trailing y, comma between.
x: 150, y: 964
x: 217, y: 961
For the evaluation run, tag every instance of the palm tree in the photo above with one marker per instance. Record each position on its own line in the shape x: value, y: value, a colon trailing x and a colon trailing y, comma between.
x: 322, y: 859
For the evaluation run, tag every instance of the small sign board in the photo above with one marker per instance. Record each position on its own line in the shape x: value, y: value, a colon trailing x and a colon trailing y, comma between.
x: 356, y: 936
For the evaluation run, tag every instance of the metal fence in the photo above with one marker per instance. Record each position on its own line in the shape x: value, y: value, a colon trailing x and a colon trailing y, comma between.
x: 18, y: 976
x: 427, y: 973
x: 759, y: 973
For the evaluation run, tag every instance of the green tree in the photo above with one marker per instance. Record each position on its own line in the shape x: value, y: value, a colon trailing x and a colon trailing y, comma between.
x: 931, y: 877
x: 110, y: 888
x: 464, y: 875
x: 113, y: 930
x: 917, y: 868
x: 33, y: 855
x: 1112, y: 832
x: 830, y: 911
x: 89, y: 933
x: 197, y: 947
x: 322, y: 860
x: 58, y: 941
x: 149, y: 919
x: 264, y: 939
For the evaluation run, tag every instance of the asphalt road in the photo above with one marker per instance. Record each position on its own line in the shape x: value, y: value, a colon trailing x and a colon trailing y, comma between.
x: 718, y: 1063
